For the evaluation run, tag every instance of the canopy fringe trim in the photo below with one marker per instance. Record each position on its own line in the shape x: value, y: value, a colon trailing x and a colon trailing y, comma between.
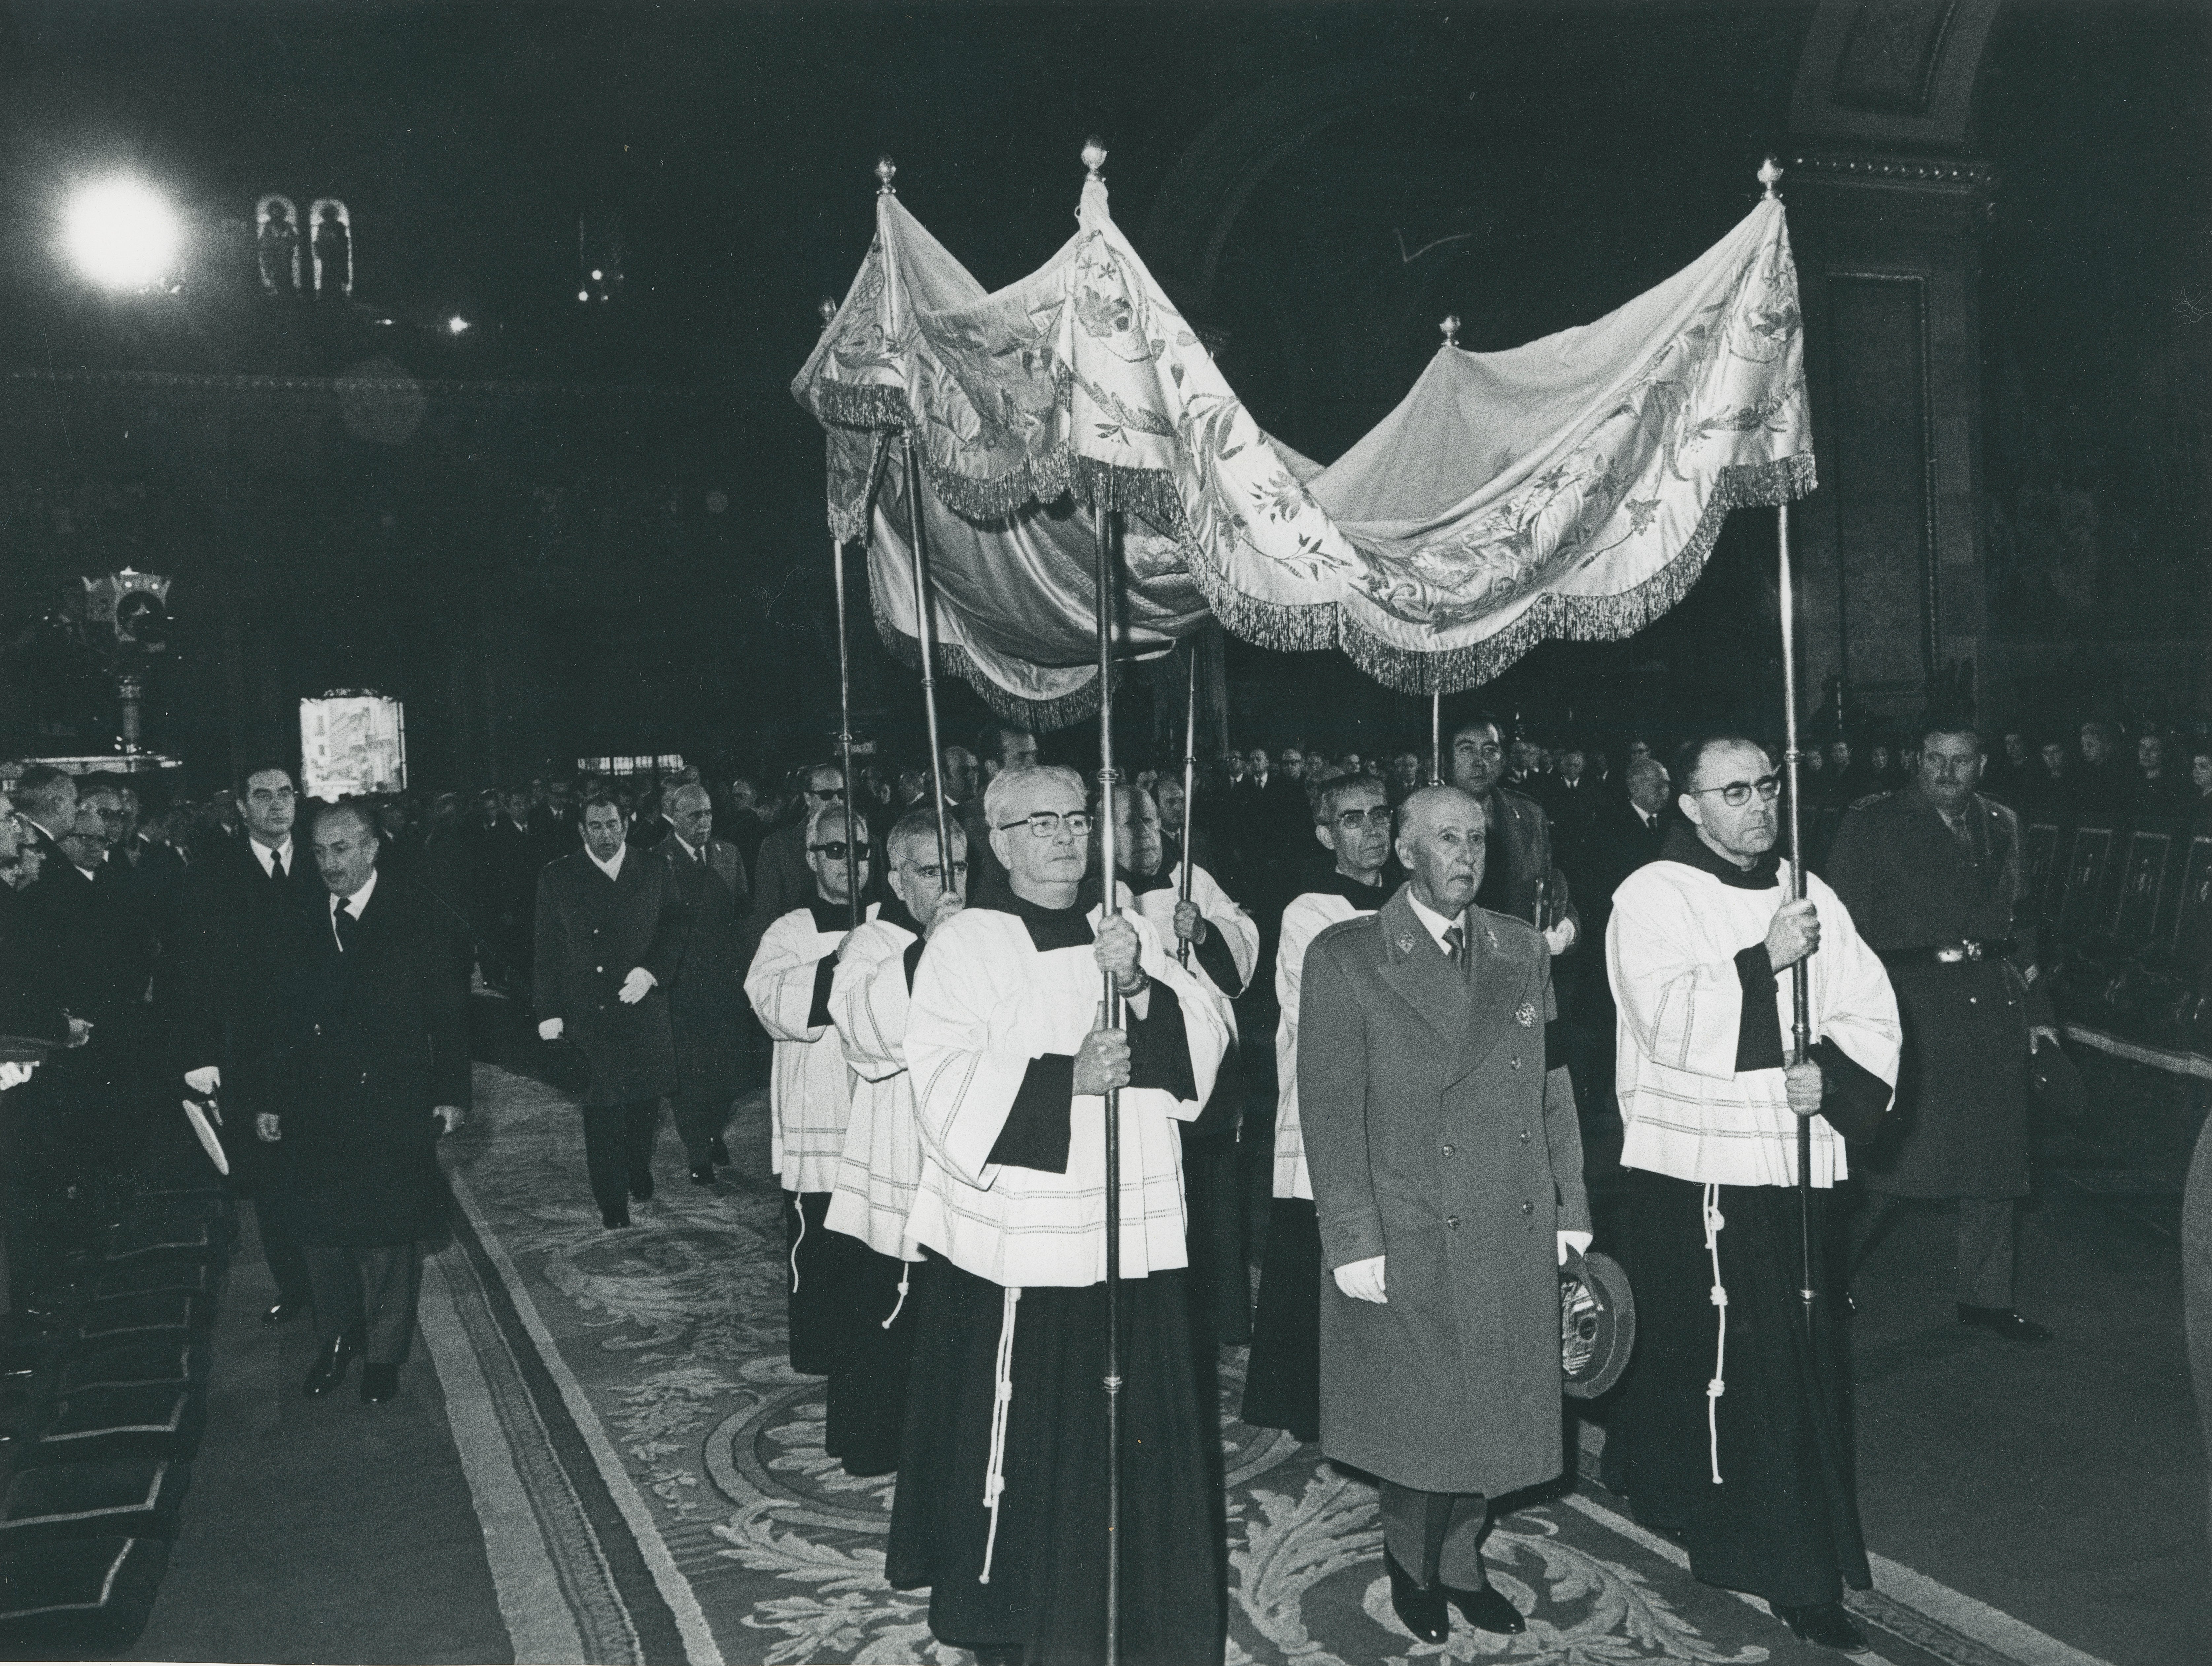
x: 1039, y: 716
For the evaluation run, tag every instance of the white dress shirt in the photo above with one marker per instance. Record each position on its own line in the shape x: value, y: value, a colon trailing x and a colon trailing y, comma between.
x: 1438, y: 924
x: 268, y: 858
x: 354, y: 903
x: 612, y: 870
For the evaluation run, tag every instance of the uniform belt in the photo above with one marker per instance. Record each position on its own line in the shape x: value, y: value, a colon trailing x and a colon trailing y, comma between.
x: 1950, y: 954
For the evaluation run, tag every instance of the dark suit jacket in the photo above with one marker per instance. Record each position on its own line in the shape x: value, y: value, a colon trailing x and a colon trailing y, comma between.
x: 591, y: 931
x: 219, y: 978
x: 94, y: 955
x: 1440, y: 1138
x: 362, y: 1047
x: 1519, y: 866
x: 707, y: 961
x: 782, y: 882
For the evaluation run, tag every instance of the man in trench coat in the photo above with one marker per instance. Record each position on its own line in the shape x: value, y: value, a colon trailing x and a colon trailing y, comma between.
x: 706, y: 1004
x: 367, y: 1064
x: 609, y: 919
x: 1932, y: 875
x: 1448, y: 1185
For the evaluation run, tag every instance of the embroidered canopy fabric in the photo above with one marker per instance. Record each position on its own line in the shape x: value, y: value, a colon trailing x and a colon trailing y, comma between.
x: 1571, y: 488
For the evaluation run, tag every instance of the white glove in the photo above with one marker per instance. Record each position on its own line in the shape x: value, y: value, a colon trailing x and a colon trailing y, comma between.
x: 1362, y: 1281
x: 204, y: 1080
x: 1578, y: 1241
x: 550, y: 1030
x: 636, y: 986
x: 1559, y: 938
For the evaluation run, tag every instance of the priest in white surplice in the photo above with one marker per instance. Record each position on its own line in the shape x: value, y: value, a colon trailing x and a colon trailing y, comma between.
x: 810, y: 1096
x: 1002, y: 1476
x: 882, y: 1164
x: 1745, y: 1453
x: 1282, y: 1378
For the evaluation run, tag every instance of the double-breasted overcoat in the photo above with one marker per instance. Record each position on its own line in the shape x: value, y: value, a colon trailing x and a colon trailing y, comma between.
x: 1911, y: 884
x: 707, y: 967
x: 592, y: 930
x: 1438, y: 1140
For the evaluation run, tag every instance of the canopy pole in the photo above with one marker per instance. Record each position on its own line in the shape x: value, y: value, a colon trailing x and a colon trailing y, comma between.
x: 1189, y: 788
x: 827, y: 309
x: 1436, y: 737
x: 1801, y: 1010
x: 1104, y: 521
x: 918, y: 541
x: 1115, y: 1020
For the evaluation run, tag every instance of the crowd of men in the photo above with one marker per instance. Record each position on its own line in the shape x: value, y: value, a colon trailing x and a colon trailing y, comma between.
x: 1463, y: 971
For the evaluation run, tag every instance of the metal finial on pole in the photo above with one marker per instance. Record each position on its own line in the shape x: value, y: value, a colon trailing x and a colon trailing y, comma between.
x: 918, y: 544
x: 1770, y: 175
x: 826, y: 310
x: 1093, y: 156
x: 1449, y: 330
x: 1104, y: 518
x: 886, y: 171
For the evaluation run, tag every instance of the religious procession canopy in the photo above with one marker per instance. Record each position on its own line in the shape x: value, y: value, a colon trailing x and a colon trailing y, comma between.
x: 1571, y: 488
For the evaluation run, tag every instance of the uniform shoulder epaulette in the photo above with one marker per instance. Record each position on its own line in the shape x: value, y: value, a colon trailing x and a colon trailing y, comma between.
x: 1872, y: 799
x: 1508, y: 929
x: 1358, y: 923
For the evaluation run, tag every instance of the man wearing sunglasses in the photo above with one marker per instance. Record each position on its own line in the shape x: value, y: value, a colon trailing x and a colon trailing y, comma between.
x: 810, y: 1100
x: 1282, y: 1383
x: 1733, y: 1430
x: 781, y: 878
x: 1933, y: 876
x: 1012, y: 1060
x: 882, y: 1163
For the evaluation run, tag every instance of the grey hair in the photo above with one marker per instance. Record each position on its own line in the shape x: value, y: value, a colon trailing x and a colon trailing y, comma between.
x: 825, y: 813
x: 918, y: 827
x: 1004, y: 783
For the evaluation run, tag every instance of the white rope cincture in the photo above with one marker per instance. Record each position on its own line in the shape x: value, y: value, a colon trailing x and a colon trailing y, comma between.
x: 906, y: 1271
x: 796, y: 1242
x: 1718, y: 1386
x: 1002, y: 1402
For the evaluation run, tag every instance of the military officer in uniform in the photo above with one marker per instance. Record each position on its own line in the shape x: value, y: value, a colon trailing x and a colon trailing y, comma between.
x: 1933, y: 876
x: 1447, y: 1171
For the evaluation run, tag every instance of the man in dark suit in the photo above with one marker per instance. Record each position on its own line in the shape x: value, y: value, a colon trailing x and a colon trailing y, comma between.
x: 33, y: 1167
x: 46, y: 798
x: 707, y: 983
x: 1624, y: 834
x: 1448, y: 1188
x: 367, y: 1065
x: 781, y: 879
x: 1519, y: 876
x: 220, y: 986
x: 608, y: 916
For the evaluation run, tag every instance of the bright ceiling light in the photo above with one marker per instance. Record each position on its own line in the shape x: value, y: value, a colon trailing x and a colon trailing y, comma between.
x: 121, y: 235
x: 456, y: 324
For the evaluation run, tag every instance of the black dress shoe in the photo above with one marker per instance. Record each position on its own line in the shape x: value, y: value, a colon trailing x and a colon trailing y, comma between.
x: 330, y: 1367
x: 378, y: 1383
x: 1420, y: 1609
x: 2002, y: 1322
x: 1823, y: 1623
x: 285, y: 1310
x: 640, y: 1191
x: 719, y: 1152
x: 1486, y: 1610
x: 613, y: 1219
x: 703, y: 1174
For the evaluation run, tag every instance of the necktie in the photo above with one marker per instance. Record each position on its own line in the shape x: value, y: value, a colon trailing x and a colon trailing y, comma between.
x: 1455, y: 945
x: 275, y: 865
x: 343, y: 922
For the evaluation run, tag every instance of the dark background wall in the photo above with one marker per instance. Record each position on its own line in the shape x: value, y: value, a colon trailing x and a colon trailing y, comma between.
x: 588, y: 527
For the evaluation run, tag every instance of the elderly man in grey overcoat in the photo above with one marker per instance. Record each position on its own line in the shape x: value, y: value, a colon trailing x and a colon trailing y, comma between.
x: 1447, y: 1172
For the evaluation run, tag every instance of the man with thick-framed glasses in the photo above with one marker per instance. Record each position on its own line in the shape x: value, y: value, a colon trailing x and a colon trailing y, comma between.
x: 1352, y: 818
x: 1933, y: 876
x: 876, y: 1179
x: 1733, y: 1430
x: 1011, y: 1059
x: 810, y: 1098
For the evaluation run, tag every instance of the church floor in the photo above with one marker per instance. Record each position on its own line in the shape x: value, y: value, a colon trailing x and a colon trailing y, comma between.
x: 599, y: 1453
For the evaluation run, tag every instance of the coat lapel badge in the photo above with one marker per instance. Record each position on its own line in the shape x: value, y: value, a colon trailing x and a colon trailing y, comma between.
x: 1525, y: 1015
x: 1405, y: 942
